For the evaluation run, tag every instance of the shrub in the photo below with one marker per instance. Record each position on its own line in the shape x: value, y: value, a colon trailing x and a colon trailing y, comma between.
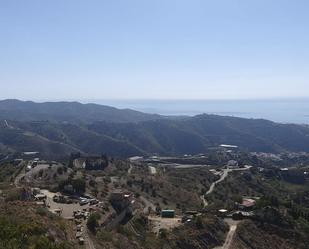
x: 163, y: 233
x: 42, y: 211
x: 105, y: 236
x: 79, y: 185
x: 92, y: 222
x: 13, y: 195
x: 60, y: 170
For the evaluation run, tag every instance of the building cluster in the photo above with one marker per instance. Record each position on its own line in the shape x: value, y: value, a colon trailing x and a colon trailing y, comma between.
x: 32, y: 164
x: 242, y: 210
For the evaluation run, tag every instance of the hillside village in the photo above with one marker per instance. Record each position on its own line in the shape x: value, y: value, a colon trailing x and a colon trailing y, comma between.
x: 102, y: 196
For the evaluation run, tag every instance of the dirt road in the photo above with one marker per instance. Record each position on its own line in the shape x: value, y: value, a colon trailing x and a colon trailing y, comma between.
x: 152, y: 170
x: 7, y: 125
x: 89, y: 243
x: 147, y: 204
x: 233, y: 224
x: 229, y: 238
x: 130, y: 169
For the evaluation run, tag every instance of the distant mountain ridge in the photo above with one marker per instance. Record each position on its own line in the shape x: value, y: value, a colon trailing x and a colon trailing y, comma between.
x: 72, y: 112
x: 57, y: 129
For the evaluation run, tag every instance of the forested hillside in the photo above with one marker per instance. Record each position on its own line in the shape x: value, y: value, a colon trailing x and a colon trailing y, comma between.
x: 58, y: 129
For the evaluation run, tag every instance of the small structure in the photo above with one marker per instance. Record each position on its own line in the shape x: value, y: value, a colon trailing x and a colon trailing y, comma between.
x: 247, y: 204
x: 78, y: 235
x: 222, y: 212
x: 79, y: 228
x: 36, y: 191
x: 81, y: 241
x: 28, y: 168
x: 192, y: 212
x: 215, y: 172
x: 168, y: 213
x: 40, y: 197
x: 239, y: 215
x: 135, y: 158
x: 29, y: 154
x: 57, y: 211
x: 187, y: 218
x: 78, y: 214
x: 228, y: 146
x: 260, y: 169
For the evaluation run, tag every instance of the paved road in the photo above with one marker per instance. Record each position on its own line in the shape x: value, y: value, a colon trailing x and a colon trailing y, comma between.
x: 213, y: 185
x: 189, y: 166
x: 222, y: 177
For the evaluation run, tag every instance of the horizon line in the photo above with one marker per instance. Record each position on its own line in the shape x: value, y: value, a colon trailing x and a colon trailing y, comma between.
x: 86, y: 100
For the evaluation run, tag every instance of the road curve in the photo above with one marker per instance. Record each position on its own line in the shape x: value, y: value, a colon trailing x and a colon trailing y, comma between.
x: 229, y: 238
x: 222, y: 177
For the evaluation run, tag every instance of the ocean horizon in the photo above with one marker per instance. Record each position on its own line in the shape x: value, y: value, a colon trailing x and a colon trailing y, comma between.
x: 277, y: 110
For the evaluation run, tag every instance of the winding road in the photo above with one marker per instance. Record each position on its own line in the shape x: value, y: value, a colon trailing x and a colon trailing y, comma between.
x: 222, y: 177
x: 233, y: 224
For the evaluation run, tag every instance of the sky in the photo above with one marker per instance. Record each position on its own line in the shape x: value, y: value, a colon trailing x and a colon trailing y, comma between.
x: 154, y: 49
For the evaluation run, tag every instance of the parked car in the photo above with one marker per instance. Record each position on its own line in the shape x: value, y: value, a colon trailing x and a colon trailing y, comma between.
x: 83, y: 202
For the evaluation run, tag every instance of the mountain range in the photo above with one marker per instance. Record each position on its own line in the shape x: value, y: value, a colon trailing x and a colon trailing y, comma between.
x: 55, y: 129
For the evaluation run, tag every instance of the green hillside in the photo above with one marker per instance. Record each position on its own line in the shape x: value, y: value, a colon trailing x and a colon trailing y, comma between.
x: 57, y: 129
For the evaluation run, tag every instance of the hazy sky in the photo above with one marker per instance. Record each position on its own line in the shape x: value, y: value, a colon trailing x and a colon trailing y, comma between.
x: 123, y: 49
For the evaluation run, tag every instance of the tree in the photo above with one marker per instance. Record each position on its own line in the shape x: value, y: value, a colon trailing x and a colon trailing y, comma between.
x: 92, y: 222
x: 199, y: 222
x: 60, y: 170
x: 149, y: 210
x: 92, y: 183
x: 79, y: 185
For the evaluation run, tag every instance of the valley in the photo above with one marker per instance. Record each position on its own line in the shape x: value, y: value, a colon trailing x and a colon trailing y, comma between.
x: 187, y: 183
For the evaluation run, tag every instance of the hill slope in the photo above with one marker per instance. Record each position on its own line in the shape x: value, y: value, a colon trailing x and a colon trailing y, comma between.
x: 68, y: 112
x: 91, y: 130
x: 194, y: 135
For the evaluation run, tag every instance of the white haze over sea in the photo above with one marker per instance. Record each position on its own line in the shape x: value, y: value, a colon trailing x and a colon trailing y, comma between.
x: 278, y: 110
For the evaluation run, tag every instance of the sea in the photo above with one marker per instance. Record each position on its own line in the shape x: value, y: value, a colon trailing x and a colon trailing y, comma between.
x: 278, y: 110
